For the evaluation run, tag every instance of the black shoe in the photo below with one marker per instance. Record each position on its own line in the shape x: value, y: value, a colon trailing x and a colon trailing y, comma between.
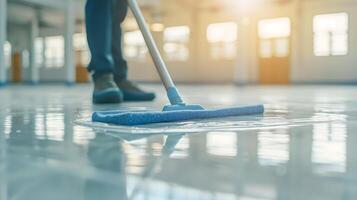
x: 106, y: 91
x: 132, y: 92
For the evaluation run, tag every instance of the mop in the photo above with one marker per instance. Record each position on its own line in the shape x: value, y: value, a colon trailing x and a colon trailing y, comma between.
x: 178, y: 110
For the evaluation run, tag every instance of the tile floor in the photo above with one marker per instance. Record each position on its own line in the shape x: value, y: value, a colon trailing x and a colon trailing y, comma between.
x: 311, y: 153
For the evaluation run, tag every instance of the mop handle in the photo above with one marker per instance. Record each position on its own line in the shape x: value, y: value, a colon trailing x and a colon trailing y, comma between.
x: 161, y: 68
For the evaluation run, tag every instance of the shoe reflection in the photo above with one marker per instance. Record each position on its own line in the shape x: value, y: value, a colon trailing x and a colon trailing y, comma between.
x: 106, y: 155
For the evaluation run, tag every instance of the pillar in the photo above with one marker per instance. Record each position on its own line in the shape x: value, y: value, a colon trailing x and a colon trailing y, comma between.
x: 34, y: 32
x: 243, y: 59
x: 68, y: 38
x: 3, y: 21
x: 297, y: 42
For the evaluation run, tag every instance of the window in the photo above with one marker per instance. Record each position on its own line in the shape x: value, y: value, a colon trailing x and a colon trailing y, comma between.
x: 266, y: 49
x: 222, y: 38
x: 81, y: 47
x: 157, y: 27
x: 274, y: 37
x: 7, y: 52
x: 39, y: 44
x: 54, y: 53
x: 134, y: 45
x: 274, y: 28
x: 281, y: 47
x: 80, y: 41
x: 331, y: 34
x: 176, y: 40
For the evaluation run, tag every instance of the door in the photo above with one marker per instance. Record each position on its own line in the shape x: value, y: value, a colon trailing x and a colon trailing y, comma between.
x: 16, y: 67
x: 82, y: 75
x: 274, y: 51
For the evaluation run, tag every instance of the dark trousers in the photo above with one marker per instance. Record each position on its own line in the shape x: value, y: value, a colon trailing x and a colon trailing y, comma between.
x: 104, y: 34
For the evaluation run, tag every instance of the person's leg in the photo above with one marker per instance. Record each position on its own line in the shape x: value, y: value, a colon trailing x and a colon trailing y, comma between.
x: 120, y: 10
x: 131, y: 91
x: 99, y: 35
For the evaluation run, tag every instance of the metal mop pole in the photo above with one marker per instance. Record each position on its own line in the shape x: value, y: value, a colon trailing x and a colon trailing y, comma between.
x: 172, y: 92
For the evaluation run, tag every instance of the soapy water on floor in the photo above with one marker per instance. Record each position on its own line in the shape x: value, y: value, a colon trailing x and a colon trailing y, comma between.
x: 272, y: 119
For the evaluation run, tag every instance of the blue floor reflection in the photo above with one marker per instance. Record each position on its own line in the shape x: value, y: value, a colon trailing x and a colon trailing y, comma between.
x: 303, y: 148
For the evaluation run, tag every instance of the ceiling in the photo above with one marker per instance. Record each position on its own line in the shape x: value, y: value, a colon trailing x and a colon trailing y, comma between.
x: 50, y: 15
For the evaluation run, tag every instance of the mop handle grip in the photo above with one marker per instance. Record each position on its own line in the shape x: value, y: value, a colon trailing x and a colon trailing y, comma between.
x: 154, y: 51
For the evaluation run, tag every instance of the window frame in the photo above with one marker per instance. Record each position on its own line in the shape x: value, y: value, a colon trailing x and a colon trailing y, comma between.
x: 57, y: 62
x: 180, y: 45
x: 273, y: 39
x: 222, y: 45
x: 330, y: 34
x: 140, y: 47
x: 7, y: 54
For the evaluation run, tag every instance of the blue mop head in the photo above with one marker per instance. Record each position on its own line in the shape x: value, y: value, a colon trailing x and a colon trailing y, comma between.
x: 141, y: 118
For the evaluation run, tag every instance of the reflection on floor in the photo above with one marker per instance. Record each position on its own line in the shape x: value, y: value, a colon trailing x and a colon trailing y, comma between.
x: 44, y: 155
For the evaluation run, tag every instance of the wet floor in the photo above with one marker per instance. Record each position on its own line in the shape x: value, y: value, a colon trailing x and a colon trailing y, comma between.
x: 304, y: 147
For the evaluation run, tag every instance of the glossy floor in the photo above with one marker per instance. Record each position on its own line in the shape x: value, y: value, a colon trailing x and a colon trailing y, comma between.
x: 304, y: 147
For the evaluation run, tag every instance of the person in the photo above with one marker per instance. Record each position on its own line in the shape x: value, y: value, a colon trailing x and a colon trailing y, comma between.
x: 108, y: 66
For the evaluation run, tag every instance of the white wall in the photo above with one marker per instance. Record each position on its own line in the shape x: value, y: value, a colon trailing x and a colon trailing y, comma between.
x: 247, y: 64
x: 305, y: 66
x: 334, y: 69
